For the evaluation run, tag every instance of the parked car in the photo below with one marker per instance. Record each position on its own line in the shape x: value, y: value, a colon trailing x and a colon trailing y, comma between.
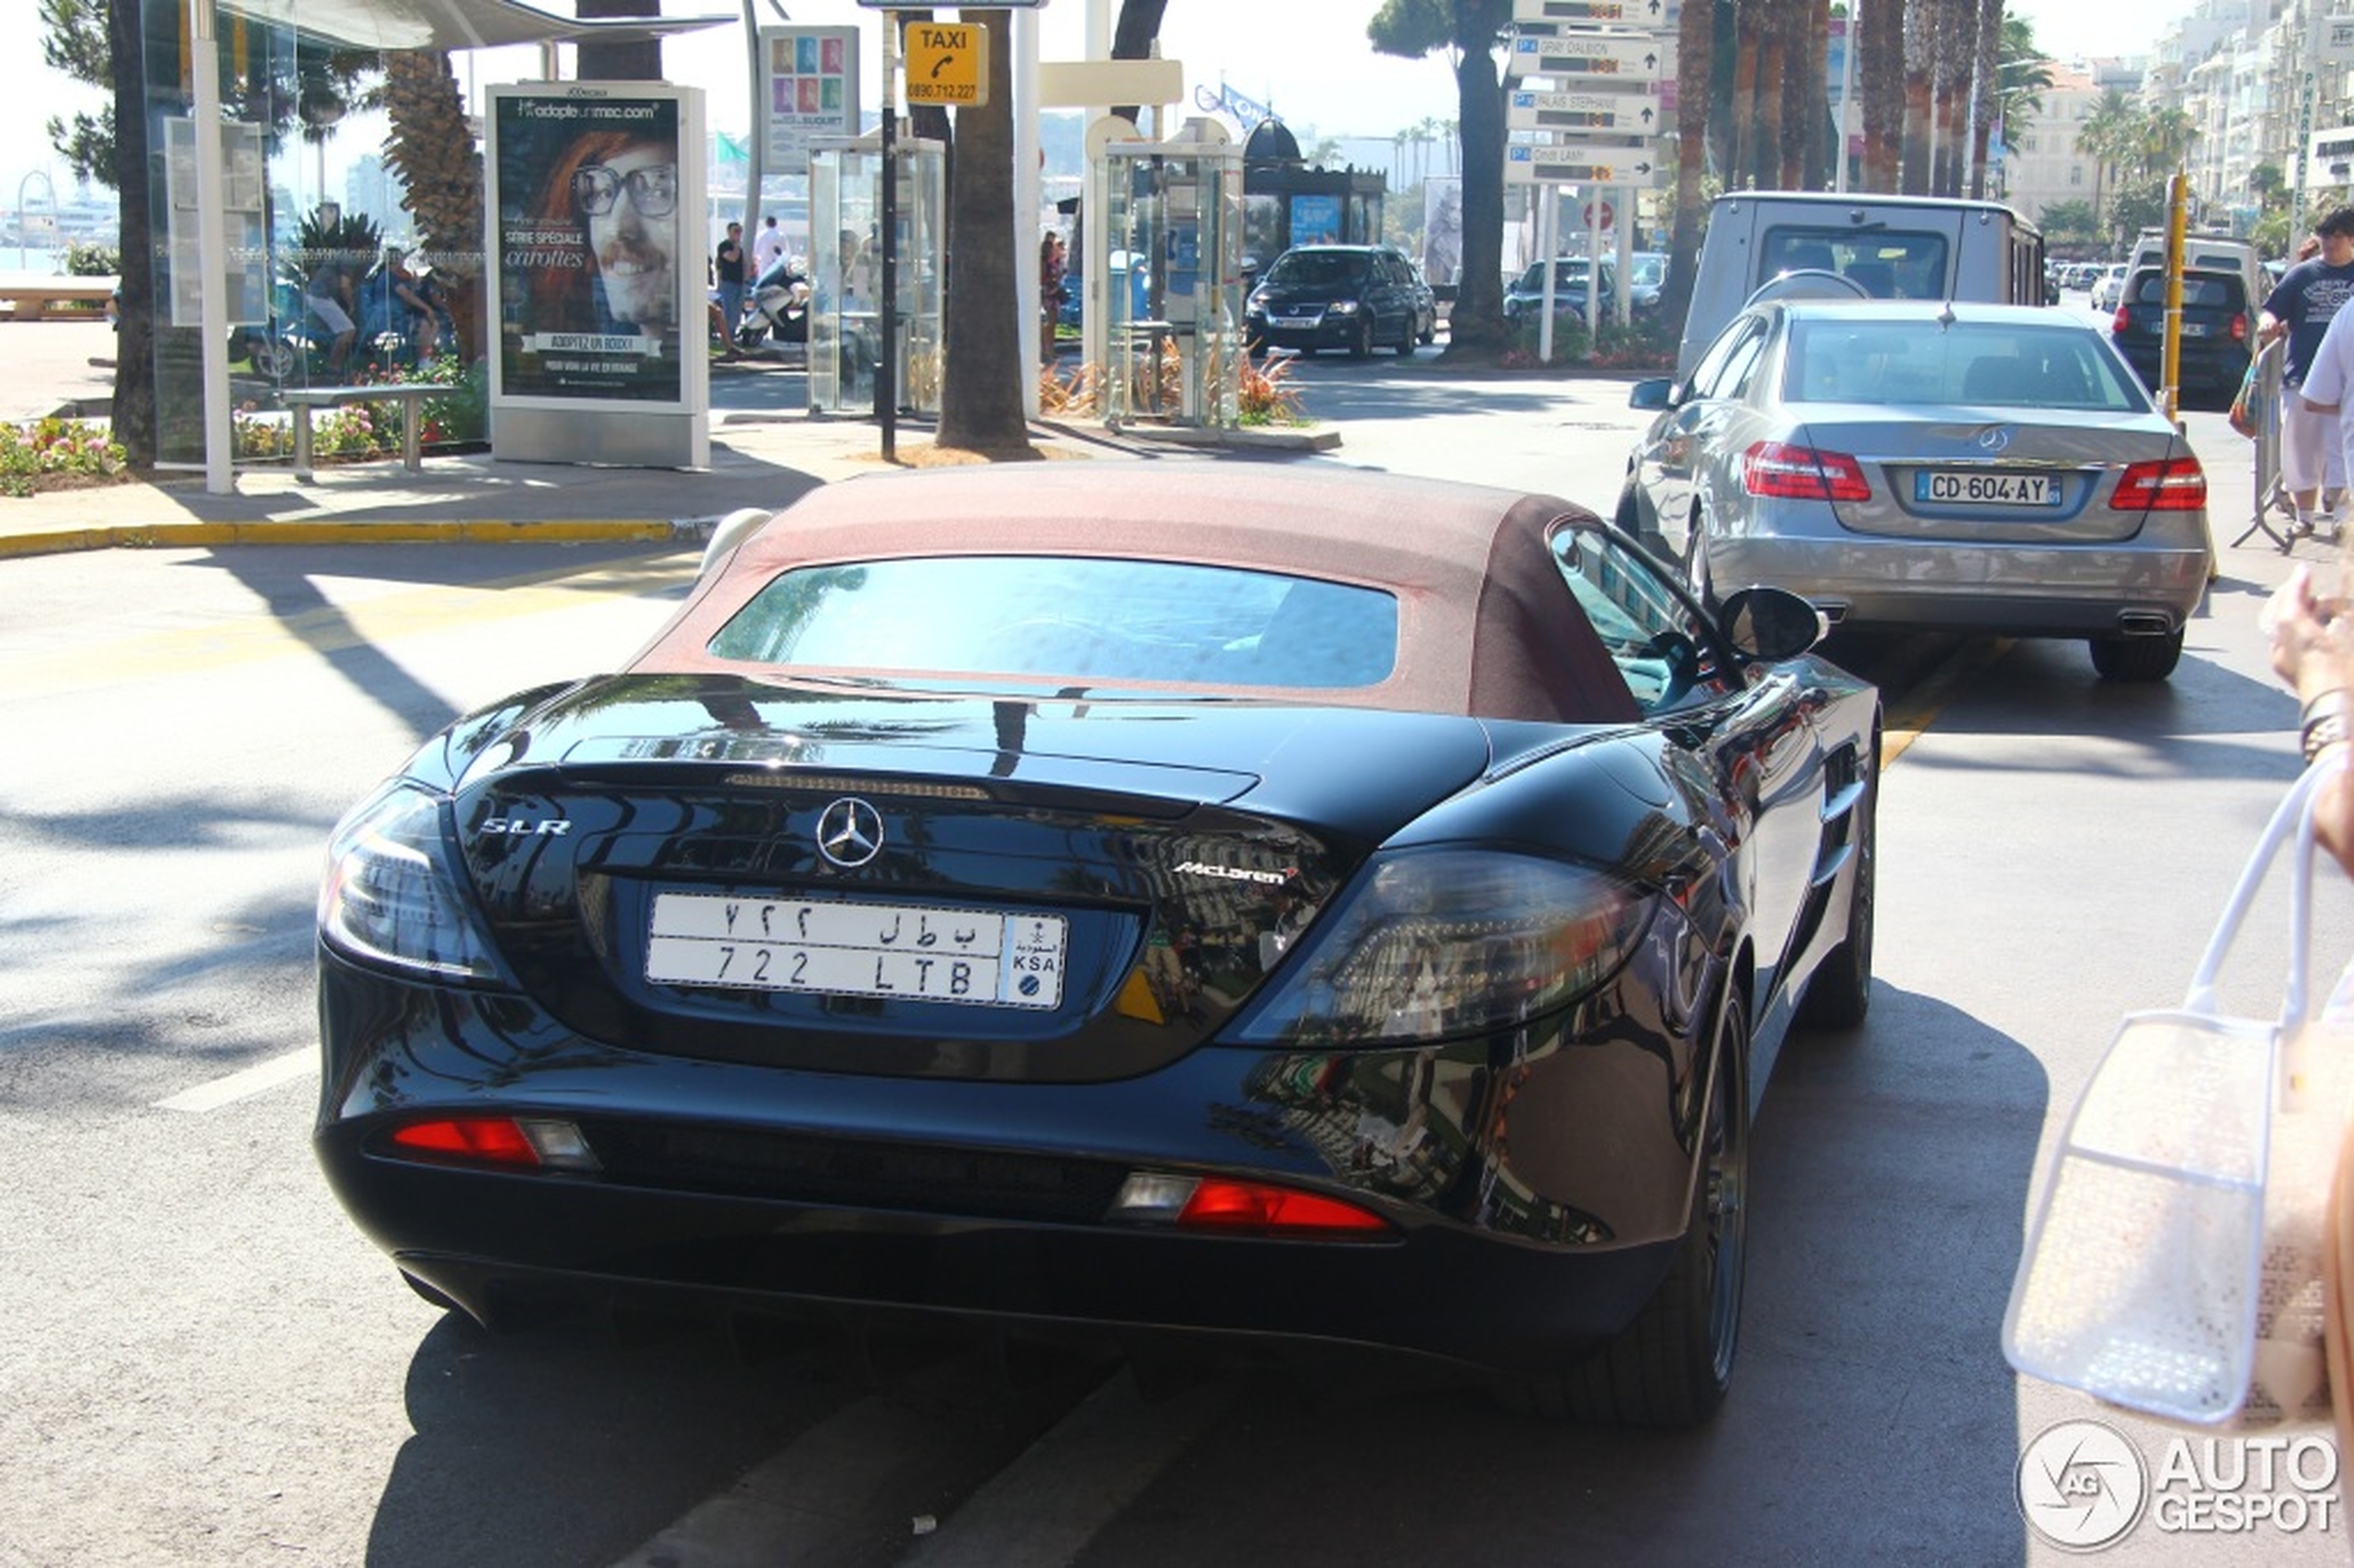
x: 1572, y: 275
x: 1890, y: 247
x: 2108, y: 286
x: 1142, y: 903
x: 1646, y: 278
x: 1988, y: 468
x: 2216, y: 336
x: 1352, y: 296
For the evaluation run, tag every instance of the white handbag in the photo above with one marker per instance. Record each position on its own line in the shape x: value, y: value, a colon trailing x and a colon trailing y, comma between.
x: 2173, y: 1263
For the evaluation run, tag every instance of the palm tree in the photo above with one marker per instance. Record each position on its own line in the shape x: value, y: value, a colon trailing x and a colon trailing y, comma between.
x: 431, y: 146
x: 2020, y: 75
x: 2106, y: 136
x: 1954, y: 34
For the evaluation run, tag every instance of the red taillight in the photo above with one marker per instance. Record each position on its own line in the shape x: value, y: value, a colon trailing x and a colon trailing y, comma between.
x: 1777, y: 468
x: 2124, y: 322
x: 493, y: 1140
x: 2239, y: 327
x: 1250, y: 1205
x: 2162, y: 484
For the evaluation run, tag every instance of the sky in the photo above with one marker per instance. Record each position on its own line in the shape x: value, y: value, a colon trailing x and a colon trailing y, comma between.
x: 1307, y: 58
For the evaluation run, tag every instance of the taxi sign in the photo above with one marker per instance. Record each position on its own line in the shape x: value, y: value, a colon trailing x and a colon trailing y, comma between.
x: 947, y: 63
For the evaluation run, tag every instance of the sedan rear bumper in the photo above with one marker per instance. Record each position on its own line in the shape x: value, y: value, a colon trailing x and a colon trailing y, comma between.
x: 2023, y: 591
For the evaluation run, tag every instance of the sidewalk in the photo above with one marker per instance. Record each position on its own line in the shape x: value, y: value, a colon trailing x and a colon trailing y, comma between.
x: 759, y: 458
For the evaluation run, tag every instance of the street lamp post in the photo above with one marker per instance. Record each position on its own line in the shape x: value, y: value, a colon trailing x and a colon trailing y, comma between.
x: 22, y: 262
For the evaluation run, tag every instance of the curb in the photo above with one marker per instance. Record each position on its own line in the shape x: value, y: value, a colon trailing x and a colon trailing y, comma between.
x: 177, y: 536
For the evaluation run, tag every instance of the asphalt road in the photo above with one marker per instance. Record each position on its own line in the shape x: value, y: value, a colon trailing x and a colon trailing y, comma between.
x: 206, y: 1364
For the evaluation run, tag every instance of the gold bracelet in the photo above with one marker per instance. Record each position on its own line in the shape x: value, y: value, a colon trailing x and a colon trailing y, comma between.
x: 2335, y: 697
x: 2321, y: 733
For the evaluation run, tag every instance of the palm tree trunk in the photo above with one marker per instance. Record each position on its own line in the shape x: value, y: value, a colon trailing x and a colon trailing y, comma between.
x: 1749, y: 24
x: 431, y: 146
x: 1695, y: 54
x: 1773, y: 55
x: 1921, y: 103
x: 1881, y: 83
x: 1983, y: 102
x: 1956, y: 58
x: 981, y: 389
x: 1477, y: 325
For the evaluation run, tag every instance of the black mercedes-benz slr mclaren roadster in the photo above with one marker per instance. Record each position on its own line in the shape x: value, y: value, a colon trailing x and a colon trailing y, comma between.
x: 1262, y: 908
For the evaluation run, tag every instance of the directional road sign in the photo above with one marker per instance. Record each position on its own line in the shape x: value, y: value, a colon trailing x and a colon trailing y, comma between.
x: 1630, y: 162
x: 1600, y: 56
x: 1620, y: 114
x: 1617, y: 13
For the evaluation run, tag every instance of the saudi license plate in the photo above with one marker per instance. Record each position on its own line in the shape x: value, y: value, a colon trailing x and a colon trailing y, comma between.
x: 906, y: 952
x: 1974, y: 487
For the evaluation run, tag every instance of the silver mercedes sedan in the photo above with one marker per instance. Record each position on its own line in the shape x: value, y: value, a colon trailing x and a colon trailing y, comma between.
x: 1989, y: 468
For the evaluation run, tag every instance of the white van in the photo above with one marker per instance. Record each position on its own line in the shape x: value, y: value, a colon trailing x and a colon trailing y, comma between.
x: 1887, y: 247
x: 2226, y: 253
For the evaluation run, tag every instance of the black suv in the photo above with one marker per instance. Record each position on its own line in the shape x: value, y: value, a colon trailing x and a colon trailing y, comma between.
x: 1352, y: 296
x: 2217, y: 327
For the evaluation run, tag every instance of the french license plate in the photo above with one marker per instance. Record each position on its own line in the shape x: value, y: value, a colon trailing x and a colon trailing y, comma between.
x: 908, y: 952
x: 2194, y: 329
x: 1969, y: 487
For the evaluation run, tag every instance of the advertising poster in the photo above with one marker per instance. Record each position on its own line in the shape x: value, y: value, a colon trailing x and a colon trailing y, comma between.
x: 599, y: 241
x: 1316, y: 219
x: 809, y: 90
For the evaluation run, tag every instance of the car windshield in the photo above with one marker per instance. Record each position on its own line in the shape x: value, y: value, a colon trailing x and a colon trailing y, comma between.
x: 1318, y: 268
x: 1648, y: 270
x: 1100, y: 620
x: 1983, y: 363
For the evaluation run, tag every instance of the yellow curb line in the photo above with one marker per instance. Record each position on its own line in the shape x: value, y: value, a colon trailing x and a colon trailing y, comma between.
x: 169, y: 536
x: 1925, y: 702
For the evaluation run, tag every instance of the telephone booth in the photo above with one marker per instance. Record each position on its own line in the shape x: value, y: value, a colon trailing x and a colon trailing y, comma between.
x: 1172, y: 279
x: 845, y: 274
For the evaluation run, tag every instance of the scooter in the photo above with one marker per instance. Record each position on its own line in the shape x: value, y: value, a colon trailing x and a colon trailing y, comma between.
x: 779, y: 307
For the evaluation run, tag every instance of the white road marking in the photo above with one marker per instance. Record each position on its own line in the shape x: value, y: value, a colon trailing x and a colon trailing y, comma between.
x: 259, y: 1079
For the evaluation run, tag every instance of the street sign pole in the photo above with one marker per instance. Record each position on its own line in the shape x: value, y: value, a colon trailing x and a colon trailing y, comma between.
x: 887, y: 362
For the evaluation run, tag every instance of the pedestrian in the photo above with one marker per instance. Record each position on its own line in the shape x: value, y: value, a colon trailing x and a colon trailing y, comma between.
x: 768, y: 248
x: 409, y: 294
x: 728, y: 267
x: 328, y: 294
x: 2300, y: 310
x: 1051, y: 294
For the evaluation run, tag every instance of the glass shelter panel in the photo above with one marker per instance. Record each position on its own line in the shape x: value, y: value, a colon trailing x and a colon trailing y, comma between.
x: 845, y: 315
x: 1175, y: 297
x: 302, y: 223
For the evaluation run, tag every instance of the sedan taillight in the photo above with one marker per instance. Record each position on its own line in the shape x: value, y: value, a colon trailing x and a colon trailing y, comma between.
x: 1777, y: 468
x: 2162, y: 484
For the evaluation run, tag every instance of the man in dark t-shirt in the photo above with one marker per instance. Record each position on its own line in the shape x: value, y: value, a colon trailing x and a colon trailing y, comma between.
x: 2299, y: 309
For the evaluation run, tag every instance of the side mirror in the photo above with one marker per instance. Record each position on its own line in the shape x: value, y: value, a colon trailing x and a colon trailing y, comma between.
x: 1654, y: 394
x: 1771, y: 623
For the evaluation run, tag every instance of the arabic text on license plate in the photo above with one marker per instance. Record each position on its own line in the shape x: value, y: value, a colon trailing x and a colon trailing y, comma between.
x: 914, y: 952
x: 1985, y: 489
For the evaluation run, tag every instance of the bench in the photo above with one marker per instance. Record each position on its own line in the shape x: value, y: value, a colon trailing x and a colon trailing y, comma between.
x: 408, y: 394
x: 65, y: 298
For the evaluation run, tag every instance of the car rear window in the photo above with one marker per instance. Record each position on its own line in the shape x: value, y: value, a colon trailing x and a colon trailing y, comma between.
x: 1982, y: 362
x: 1887, y: 263
x: 1093, y: 620
x: 2204, y: 293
